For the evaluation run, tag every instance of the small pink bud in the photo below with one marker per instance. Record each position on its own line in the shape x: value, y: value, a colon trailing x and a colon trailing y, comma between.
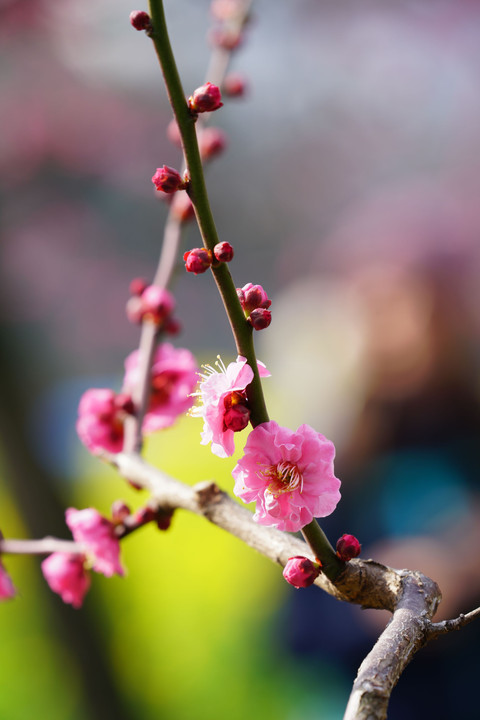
x: 158, y: 303
x: 236, y: 418
x: 252, y: 297
x: 120, y: 511
x: 206, y: 98
x: 300, y: 571
x: 182, y: 207
x: 348, y: 547
x: 143, y: 516
x: 234, y: 85
x: 137, y: 286
x: 198, y: 260
x: 140, y: 20
x: 223, y: 252
x: 225, y: 38
x: 212, y: 141
x: 168, y: 180
x: 260, y: 318
x: 237, y: 414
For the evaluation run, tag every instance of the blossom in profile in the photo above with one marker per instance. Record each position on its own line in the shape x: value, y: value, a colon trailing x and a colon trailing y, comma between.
x: 97, y: 534
x: 288, y: 474
x: 224, y: 403
x: 101, y: 415
x: 7, y: 589
x: 173, y: 377
x: 66, y: 575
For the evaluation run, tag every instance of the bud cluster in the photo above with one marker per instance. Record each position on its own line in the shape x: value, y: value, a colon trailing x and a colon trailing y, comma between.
x: 153, y: 303
x: 255, y: 303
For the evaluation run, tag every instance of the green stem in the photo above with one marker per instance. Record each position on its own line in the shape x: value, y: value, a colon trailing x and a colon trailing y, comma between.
x: 198, y: 194
x: 332, y: 566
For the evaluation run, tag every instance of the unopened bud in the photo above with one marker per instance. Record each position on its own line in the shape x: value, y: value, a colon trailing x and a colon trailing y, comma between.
x: 348, y: 547
x: 237, y: 415
x: 140, y: 20
x: 223, y: 252
x: 252, y: 297
x: 234, y: 85
x: 137, y: 286
x: 211, y: 141
x: 225, y: 38
x: 206, y: 98
x: 168, y: 180
x: 300, y: 571
x: 260, y: 318
x: 198, y: 260
x: 164, y: 519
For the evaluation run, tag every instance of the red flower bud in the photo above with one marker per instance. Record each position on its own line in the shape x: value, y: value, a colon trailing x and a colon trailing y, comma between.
x: 140, y: 20
x: 137, y: 286
x: 223, y: 252
x: 198, y: 260
x: 300, y: 571
x: 164, y: 519
x: 211, y: 141
x: 260, y: 318
x: 348, y: 547
x: 225, y: 38
x: 168, y: 180
x: 252, y: 297
x: 234, y: 85
x: 205, y: 99
x: 237, y: 414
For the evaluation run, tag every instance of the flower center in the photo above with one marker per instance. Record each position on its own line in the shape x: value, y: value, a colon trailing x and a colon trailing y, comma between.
x: 283, y: 478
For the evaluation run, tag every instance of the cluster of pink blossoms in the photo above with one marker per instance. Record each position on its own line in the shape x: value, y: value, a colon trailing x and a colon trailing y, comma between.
x: 66, y: 573
x: 102, y: 413
x: 224, y: 406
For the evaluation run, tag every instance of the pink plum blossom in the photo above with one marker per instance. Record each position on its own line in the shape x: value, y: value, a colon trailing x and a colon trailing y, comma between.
x: 288, y: 474
x: 100, y: 420
x: 67, y: 576
x: 7, y: 589
x: 215, y: 391
x: 174, y: 377
x: 97, y: 534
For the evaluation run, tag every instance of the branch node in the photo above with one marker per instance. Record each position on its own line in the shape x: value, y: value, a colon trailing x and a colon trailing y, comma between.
x: 207, y: 493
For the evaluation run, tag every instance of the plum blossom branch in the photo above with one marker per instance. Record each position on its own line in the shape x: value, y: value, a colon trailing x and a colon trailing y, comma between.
x: 197, y: 191
x: 412, y: 597
x: 218, y: 67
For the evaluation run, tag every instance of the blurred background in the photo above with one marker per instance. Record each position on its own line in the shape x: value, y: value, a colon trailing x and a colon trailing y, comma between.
x: 350, y: 192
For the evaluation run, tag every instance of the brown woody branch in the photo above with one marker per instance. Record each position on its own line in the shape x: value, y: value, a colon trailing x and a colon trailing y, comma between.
x: 412, y: 597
